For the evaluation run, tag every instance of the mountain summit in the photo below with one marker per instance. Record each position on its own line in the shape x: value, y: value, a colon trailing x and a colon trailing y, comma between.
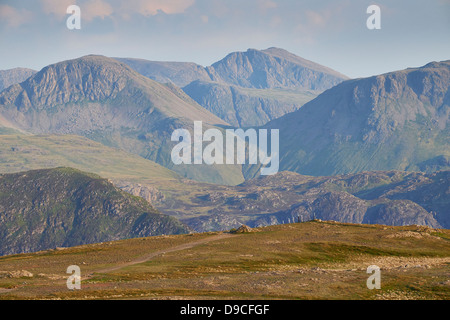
x: 98, y: 79
x: 273, y: 68
x: 259, y: 69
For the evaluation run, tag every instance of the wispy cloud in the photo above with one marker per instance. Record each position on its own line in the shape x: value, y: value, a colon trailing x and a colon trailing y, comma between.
x: 14, y: 17
x: 96, y: 9
x: 267, y: 5
x: 152, y: 7
x: 56, y: 7
x: 91, y: 9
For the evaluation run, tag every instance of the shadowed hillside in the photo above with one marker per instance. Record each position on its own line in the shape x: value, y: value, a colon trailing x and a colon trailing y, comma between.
x: 44, y: 209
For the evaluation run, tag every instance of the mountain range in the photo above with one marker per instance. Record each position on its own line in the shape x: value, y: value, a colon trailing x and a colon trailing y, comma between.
x: 372, y: 150
x: 247, y: 107
x: 395, y: 121
x: 104, y: 100
x: 246, y: 88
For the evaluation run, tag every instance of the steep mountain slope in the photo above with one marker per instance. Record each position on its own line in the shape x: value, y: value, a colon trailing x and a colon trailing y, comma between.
x: 246, y: 107
x: 13, y: 76
x: 44, y: 209
x: 104, y: 100
x: 395, y: 121
x: 273, y: 68
x: 178, y: 73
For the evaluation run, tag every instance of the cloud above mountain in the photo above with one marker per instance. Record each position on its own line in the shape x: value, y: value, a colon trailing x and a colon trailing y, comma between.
x: 118, y: 8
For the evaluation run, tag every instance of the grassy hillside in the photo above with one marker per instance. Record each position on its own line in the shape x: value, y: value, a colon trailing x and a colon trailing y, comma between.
x: 391, y: 198
x: 313, y: 260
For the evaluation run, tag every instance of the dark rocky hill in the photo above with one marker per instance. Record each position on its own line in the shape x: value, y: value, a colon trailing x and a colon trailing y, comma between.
x: 64, y: 207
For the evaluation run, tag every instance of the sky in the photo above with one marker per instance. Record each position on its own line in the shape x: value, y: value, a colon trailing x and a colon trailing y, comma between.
x: 33, y: 33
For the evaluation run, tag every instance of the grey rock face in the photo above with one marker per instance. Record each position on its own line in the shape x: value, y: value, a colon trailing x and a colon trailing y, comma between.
x: 273, y: 68
x: 388, y: 198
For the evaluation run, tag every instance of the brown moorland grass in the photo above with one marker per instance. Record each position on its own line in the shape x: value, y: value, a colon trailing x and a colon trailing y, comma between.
x: 312, y: 260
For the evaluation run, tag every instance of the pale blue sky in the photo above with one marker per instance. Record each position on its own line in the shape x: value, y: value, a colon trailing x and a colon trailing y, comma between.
x: 33, y: 33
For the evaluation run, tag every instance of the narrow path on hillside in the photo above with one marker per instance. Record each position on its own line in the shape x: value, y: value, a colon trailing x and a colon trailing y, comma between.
x: 152, y: 255
x: 147, y: 257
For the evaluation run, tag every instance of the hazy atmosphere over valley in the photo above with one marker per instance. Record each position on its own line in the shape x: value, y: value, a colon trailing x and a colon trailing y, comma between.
x: 221, y: 149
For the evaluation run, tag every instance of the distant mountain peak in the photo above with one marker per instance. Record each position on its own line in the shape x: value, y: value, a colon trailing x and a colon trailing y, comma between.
x: 14, y: 76
x: 91, y: 77
x: 435, y: 64
x: 273, y: 68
